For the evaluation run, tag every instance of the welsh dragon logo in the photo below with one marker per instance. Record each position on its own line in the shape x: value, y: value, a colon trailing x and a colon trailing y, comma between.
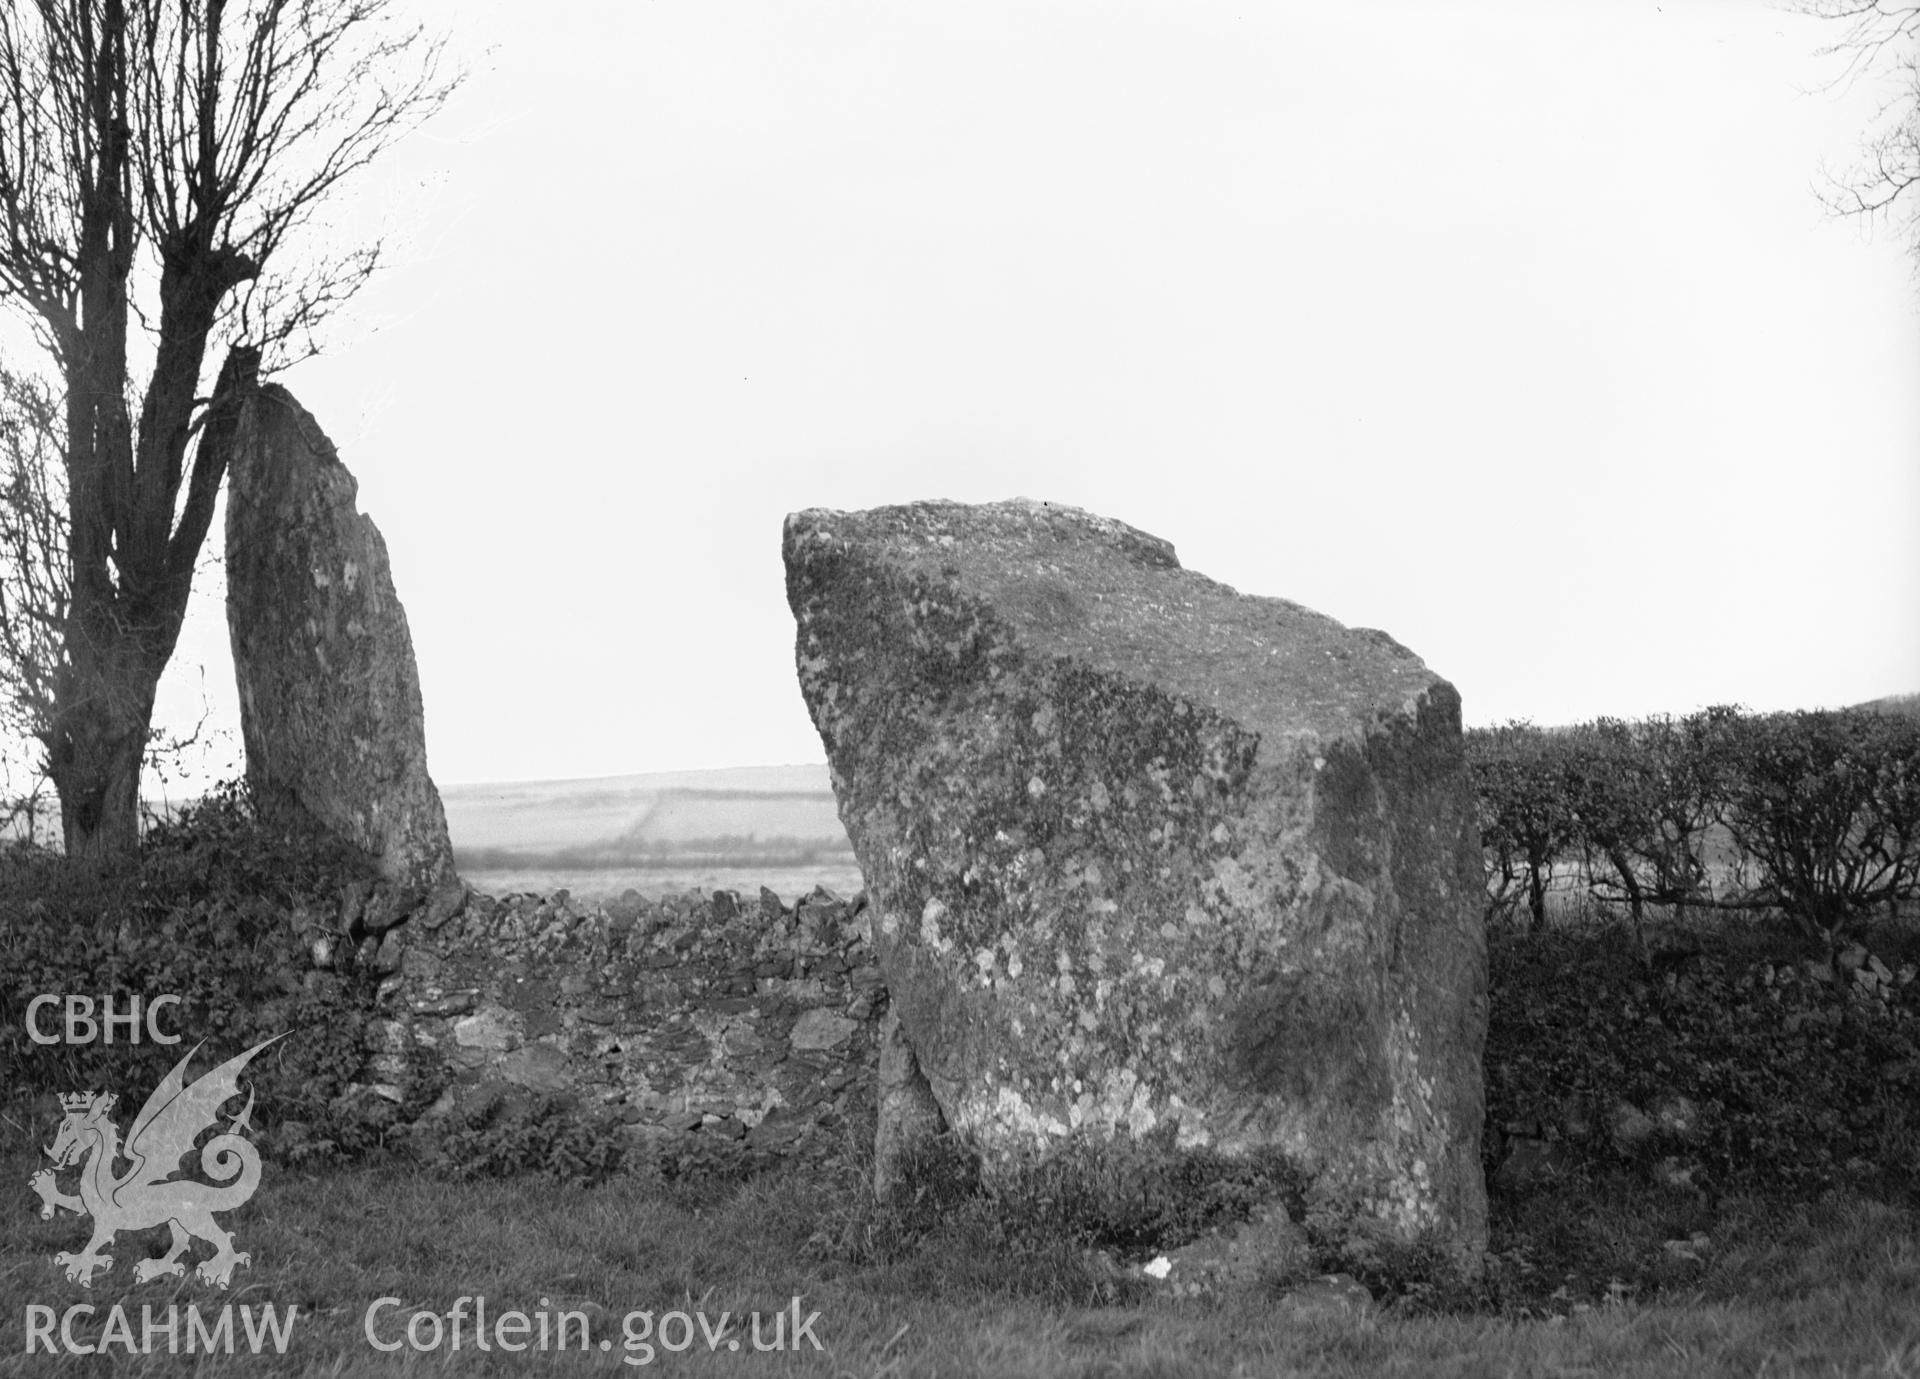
x: 148, y: 1194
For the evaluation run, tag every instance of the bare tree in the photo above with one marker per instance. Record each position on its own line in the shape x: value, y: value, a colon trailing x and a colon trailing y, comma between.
x: 157, y: 157
x: 33, y: 582
x: 1881, y: 41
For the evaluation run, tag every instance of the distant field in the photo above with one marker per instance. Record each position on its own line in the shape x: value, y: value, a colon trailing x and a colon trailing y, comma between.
x: 551, y: 814
x: 736, y: 829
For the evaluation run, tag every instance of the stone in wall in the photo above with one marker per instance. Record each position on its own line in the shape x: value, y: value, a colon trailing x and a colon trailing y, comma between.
x: 1147, y: 853
x: 330, y: 706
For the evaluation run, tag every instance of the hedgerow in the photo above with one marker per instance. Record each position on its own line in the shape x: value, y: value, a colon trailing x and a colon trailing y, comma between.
x: 1802, y: 1079
x: 236, y: 919
x: 1816, y: 813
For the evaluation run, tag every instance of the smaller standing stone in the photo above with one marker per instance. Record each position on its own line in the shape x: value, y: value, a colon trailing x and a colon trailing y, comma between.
x: 907, y: 1110
x: 330, y: 705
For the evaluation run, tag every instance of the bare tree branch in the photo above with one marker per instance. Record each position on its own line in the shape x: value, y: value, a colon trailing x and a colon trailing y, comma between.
x: 1878, y: 42
x: 158, y: 161
x: 33, y: 553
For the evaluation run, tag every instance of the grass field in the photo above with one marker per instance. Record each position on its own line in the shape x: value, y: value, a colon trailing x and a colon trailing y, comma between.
x: 1829, y: 1288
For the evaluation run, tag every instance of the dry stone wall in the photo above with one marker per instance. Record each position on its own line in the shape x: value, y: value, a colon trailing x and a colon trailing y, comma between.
x: 718, y: 1017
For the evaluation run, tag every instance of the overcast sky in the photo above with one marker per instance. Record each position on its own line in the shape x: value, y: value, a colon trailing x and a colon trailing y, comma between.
x: 1515, y: 329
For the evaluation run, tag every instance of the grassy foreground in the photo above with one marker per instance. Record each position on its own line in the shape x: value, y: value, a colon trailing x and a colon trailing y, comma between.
x: 1830, y: 1288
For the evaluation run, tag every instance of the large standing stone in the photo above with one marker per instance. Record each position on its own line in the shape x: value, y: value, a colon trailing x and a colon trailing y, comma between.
x: 1144, y: 850
x: 330, y: 704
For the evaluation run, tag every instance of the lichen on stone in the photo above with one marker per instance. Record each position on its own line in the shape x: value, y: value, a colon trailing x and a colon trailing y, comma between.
x: 1149, y: 853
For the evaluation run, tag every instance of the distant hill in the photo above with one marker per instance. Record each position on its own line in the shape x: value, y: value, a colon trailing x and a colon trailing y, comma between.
x: 745, y: 815
x: 1907, y: 705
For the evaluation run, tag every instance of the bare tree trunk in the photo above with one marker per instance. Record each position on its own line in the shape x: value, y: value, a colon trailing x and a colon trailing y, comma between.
x: 1631, y: 883
x: 119, y: 638
x: 1537, y: 891
x: 95, y: 765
